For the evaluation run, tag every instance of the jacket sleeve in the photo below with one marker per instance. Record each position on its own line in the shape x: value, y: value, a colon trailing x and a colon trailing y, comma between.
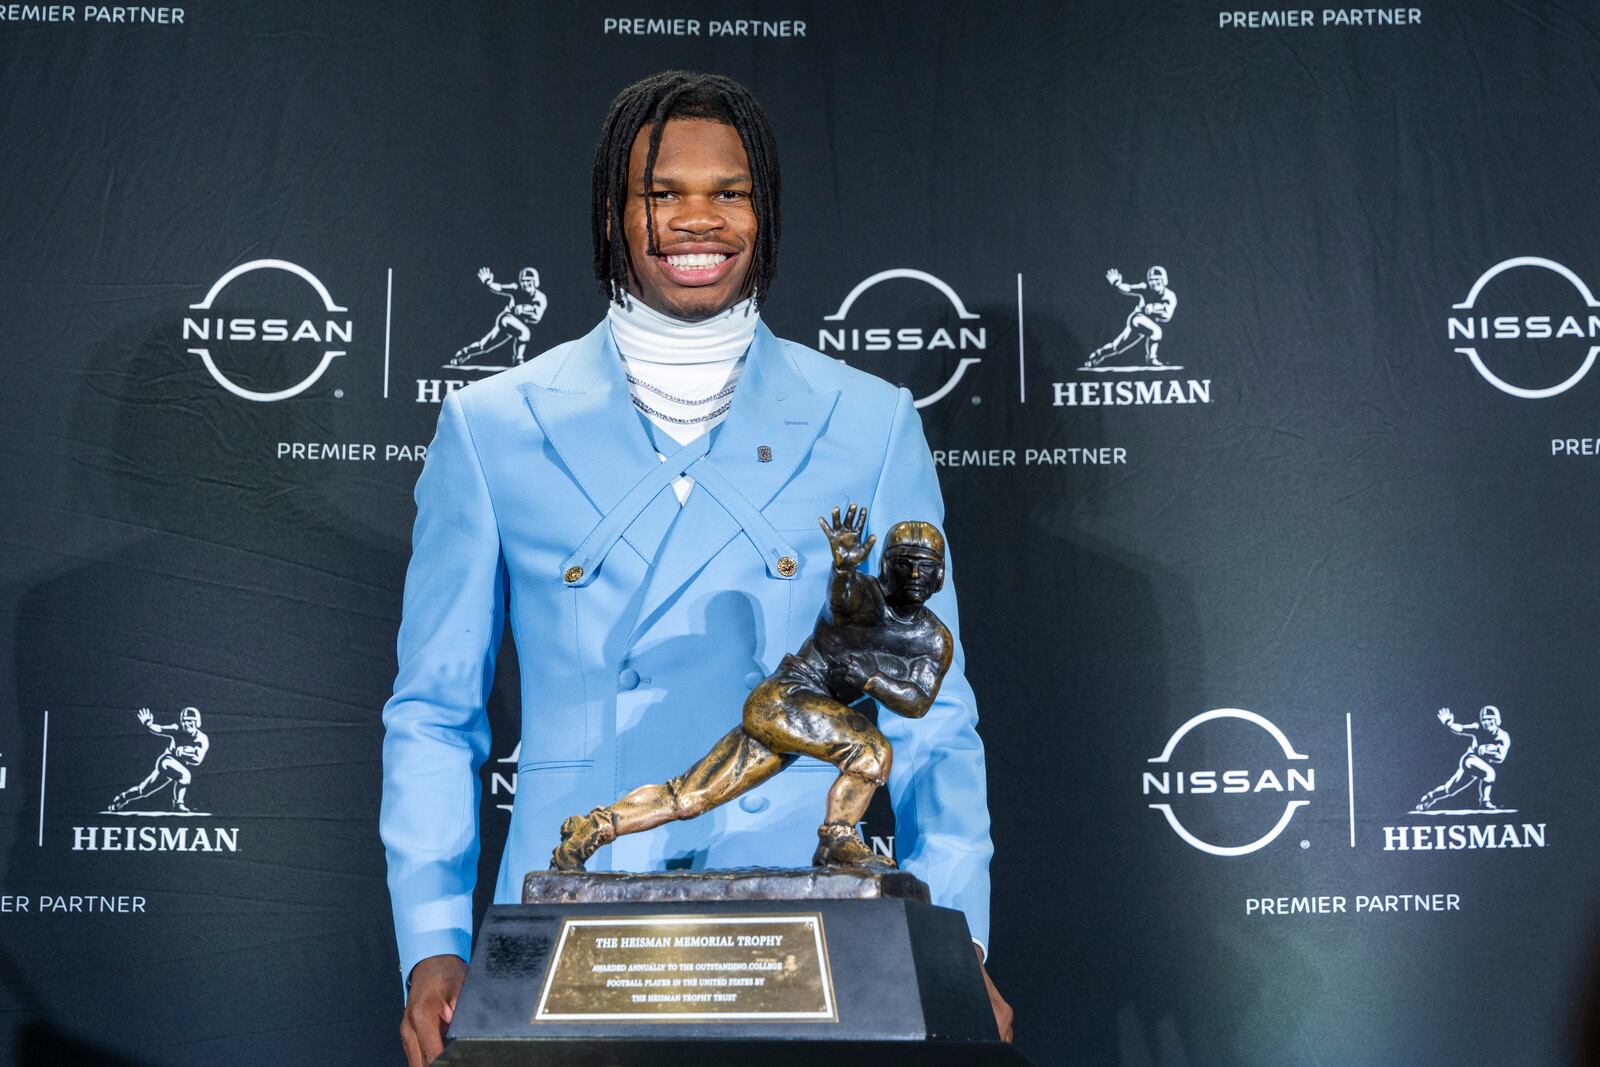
x: 937, y: 784
x: 436, y: 728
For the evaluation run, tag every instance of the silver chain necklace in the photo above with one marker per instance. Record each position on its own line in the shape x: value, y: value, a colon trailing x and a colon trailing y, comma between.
x: 663, y: 394
x: 654, y: 414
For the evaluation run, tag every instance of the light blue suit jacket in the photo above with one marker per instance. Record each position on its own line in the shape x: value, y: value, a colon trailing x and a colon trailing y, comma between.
x: 630, y: 673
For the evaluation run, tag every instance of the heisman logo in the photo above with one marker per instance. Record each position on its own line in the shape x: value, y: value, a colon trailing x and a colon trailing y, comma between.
x: 1477, y: 769
x: 525, y: 306
x: 1136, y: 351
x: 1487, y: 746
x: 1143, y: 328
x: 1541, y: 327
x: 905, y: 339
x: 187, y: 746
x: 216, y: 328
x: 164, y: 792
x: 1235, y: 782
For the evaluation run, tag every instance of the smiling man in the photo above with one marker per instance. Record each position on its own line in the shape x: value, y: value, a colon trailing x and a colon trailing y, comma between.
x: 641, y: 505
x: 712, y: 227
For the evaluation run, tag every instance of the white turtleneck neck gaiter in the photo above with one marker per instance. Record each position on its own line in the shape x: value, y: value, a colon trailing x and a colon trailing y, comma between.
x: 682, y: 374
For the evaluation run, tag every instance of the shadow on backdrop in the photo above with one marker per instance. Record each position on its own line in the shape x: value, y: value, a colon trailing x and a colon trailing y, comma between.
x: 1070, y: 638
x: 196, y: 571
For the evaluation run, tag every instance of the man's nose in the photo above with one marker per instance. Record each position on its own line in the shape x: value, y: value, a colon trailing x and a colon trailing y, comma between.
x: 696, y: 215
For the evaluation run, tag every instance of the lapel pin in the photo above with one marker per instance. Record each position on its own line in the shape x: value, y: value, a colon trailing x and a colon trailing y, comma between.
x: 574, y: 574
x: 786, y: 566
x: 764, y: 453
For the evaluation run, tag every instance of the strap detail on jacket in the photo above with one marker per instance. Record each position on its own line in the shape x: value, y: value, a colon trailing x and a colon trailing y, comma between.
x: 611, y: 527
x: 586, y: 559
x: 761, y: 533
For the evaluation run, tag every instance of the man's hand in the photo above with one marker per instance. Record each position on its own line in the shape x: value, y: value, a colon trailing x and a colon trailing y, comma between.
x: 1113, y: 276
x: 1445, y: 716
x: 1003, y: 1017
x: 486, y: 276
x: 845, y: 537
x: 435, y: 985
x: 145, y: 716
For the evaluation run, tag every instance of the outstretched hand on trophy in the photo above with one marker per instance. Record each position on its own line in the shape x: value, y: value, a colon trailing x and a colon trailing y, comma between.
x: 486, y: 276
x: 145, y: 716
x: 1445, y: 716
x: 849, y: 550
x: 1113, y: 276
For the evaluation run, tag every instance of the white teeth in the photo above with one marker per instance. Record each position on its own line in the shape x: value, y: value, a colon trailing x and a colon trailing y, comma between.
x: 696, y: 261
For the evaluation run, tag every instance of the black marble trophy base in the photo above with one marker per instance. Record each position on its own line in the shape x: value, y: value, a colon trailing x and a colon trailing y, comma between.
x: 905, y: 982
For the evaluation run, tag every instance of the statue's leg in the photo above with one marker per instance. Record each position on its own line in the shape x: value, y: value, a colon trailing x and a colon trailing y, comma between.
x: 735, y: 765
x: 791, y: 719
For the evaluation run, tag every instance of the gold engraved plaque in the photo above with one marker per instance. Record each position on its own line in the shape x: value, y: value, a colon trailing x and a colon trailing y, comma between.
x: 669, y: 968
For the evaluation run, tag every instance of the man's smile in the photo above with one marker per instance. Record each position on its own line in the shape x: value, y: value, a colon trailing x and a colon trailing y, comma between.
x: 696, y: 265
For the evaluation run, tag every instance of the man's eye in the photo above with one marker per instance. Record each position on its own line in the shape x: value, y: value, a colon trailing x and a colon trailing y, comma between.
x: 733, y: 194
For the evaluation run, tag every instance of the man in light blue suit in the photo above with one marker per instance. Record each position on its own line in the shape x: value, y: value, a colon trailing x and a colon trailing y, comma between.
x: 641, y: 505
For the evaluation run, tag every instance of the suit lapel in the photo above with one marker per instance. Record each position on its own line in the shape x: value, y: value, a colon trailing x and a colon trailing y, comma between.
x: 588, y: 417
x: 776, y: 414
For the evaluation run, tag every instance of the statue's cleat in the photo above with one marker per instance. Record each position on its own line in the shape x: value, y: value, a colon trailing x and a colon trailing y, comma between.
x: 118, y: 804
x: 581, y: 837
x: 182, y: 809
x: 840, y: 846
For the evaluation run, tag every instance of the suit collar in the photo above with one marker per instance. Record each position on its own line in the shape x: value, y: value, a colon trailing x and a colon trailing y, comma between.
x: 587, y: 413
x: 588, y: 418
x: 775, y: 418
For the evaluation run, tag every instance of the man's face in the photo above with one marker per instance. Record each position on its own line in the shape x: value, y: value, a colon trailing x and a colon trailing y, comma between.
x: 705, y: 219
x: 1156, y: 281
x: 1489, y: 719
x: 189, y: 722
x: 910, y: 578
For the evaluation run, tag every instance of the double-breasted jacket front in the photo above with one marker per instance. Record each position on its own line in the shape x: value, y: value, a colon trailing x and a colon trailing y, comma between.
x: 641, y: 625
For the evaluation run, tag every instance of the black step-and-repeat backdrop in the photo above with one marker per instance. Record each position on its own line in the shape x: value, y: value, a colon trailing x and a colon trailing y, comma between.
x: 1254, y: 345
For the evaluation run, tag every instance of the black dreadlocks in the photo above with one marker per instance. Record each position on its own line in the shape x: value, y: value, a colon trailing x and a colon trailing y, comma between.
x: 668, y: 95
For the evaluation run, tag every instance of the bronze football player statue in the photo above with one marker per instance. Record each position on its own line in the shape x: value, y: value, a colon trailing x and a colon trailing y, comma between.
x: 873, y: 638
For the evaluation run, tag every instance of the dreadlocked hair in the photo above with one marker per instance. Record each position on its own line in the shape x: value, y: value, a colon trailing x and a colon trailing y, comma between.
x: 674, y: 94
